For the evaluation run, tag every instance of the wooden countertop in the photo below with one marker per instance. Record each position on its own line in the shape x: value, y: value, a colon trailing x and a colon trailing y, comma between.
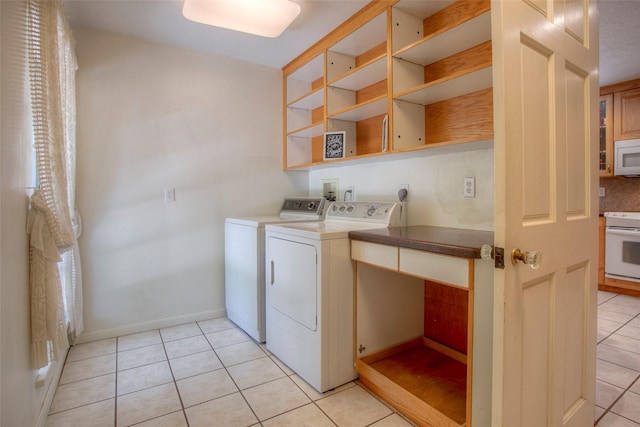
x: 442, y: 240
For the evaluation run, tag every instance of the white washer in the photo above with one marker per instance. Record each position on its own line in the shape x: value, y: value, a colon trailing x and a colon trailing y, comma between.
x: 310, y: 291
x: 244, y: 261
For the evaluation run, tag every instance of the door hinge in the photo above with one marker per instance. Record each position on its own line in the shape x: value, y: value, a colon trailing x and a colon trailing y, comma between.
x: 498, y: 256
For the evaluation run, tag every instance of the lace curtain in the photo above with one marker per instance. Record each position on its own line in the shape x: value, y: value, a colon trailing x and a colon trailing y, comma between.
x: 56, y: 299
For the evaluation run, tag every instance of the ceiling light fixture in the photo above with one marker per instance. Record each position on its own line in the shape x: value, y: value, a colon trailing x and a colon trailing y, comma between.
x: 267, y: 18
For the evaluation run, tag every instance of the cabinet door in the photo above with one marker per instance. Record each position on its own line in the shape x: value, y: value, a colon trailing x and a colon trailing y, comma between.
x: 606, y: 136
x: 626, y: 114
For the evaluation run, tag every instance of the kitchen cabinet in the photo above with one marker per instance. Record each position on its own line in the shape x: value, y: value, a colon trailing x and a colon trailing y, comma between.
x: 397, y: 76
x: 606, y: 136
x: 421, y: 330
x: 626, y: 116
x: 619, y: 119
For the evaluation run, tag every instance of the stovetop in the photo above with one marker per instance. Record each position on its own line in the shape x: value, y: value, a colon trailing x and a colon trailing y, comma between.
x: 622, y: 219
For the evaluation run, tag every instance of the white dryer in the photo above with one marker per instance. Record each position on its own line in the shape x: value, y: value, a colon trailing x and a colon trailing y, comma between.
x: 310, y: 292
x: 244, y: 261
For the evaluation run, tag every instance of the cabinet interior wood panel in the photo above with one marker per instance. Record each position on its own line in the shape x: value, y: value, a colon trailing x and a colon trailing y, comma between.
x: 317, y: 148
x: 446, y: 315
x: 371, y: 92
x: 317, y: 115
x: 373, y: 53
x: 462, y: 119
x: 369, y: 133
x: 472, y: 59
x: 453, y: 15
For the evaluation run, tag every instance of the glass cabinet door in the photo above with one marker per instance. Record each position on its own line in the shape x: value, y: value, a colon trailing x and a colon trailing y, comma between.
x: 606, y: 136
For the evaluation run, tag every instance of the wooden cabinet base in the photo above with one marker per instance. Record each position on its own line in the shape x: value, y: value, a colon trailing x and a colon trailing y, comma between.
x: 624, y: 287
x: 425, y: 385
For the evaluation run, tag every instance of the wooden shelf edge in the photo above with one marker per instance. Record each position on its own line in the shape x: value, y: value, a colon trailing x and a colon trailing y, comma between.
x: 335, y: 114
x: 295, y: 132
x: 300, y: 98
x: 393, y: 154
x: 438, y: 145
x: 444, y: 80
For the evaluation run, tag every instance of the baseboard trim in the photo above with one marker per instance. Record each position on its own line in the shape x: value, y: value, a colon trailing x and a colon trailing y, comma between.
x: 51, y: 382
x: 150, y: 325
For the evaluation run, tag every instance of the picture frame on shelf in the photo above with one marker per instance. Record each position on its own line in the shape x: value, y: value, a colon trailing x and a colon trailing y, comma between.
x: 334, y: 145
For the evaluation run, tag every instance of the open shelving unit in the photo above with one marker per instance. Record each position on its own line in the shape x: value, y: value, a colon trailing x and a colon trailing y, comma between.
x: 442, y: 75
x: 398, y: 76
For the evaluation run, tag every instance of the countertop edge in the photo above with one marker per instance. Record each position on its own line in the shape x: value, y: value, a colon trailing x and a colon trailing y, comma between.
x: 442, y: 248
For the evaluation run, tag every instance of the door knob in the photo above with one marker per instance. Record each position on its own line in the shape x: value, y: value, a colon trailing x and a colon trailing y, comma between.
x: 532, y: 258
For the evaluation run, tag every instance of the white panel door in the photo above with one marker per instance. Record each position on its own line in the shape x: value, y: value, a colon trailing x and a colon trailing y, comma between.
x: 292, y: 280
x: 545, y: 55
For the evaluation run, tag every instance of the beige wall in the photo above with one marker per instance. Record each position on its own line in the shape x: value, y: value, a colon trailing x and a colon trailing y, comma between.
x: 435, y: 185
x: 149, y: 117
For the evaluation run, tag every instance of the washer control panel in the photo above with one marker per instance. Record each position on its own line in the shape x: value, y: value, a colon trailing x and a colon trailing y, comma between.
x: 378, y: 212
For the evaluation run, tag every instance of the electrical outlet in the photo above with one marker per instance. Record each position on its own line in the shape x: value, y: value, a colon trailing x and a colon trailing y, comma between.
x: 469, y: 189
x: 170, y: 195
x: 350, y: 194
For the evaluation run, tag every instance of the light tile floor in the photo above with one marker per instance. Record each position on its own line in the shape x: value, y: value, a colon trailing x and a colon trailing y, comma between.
x: 211, y: 373
x: 207, y: 373
x: 618, y: 361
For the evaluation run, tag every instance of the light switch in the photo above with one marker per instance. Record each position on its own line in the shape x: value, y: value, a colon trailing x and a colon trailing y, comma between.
x: 170, y: 195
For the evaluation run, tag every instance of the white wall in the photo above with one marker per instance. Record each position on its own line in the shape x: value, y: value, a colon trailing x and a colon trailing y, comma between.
x: 435, y: 185
x: 149, y: 117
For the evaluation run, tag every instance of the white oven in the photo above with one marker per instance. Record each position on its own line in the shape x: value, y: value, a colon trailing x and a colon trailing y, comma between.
x: 622, y: 259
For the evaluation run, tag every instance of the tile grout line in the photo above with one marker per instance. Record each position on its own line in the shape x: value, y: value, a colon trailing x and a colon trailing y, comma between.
x: 608, y: 409
x: 616, y: 401
x: 175, y: 382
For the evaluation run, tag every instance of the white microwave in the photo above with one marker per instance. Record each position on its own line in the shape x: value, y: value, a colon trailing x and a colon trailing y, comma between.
x: 627, y: 157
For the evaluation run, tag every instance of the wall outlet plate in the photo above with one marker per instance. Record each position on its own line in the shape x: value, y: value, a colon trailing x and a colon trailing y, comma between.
x: 469, y: 189
x: 350, y: 194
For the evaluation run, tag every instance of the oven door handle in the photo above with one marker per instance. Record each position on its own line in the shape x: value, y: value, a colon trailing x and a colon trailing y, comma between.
x: 624, y: 232
x: 273, y: 272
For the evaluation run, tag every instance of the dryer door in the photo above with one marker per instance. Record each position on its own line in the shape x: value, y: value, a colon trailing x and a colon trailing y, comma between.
x: 292, y: 280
